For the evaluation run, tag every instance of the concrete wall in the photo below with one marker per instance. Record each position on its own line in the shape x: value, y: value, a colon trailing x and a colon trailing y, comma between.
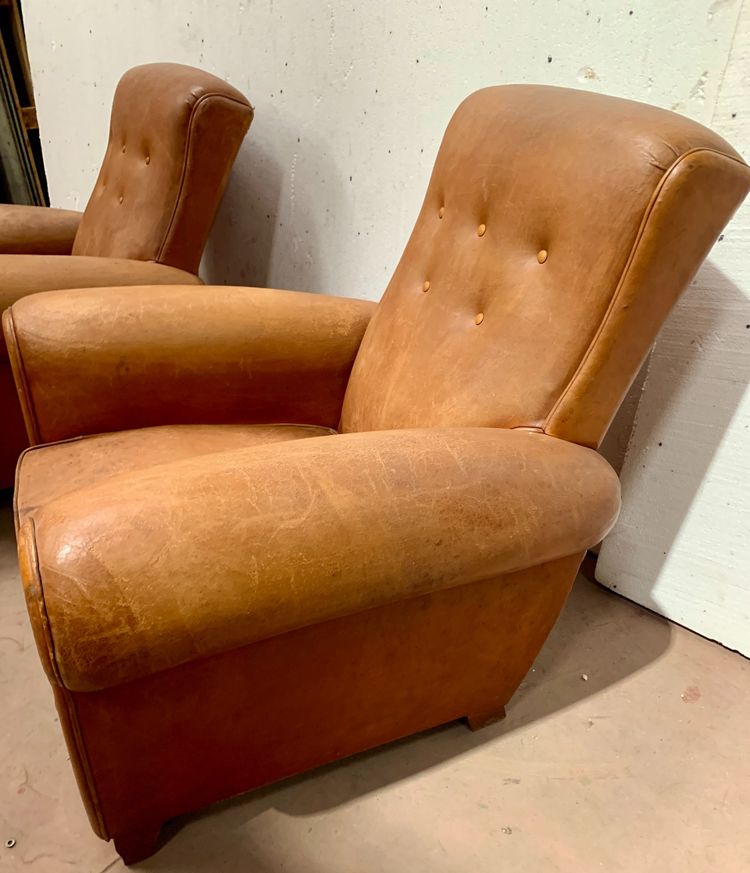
x: 352, y: 99
x: 682, y: 544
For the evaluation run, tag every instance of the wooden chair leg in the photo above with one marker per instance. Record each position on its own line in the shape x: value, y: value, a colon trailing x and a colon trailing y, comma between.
x: 476, y: 721
x: 137, y: 845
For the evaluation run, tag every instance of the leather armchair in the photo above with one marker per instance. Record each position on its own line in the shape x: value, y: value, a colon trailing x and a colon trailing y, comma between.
x: 174, y: 134
x: 224, y: 589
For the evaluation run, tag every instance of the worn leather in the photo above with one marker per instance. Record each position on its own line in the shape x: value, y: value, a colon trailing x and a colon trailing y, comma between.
x: 37, y: 230
x: 320, y: 528
x: 270, y: 710
x: 24, y: 275
x: 264, y: 607
x: 65, y: 467
x: 624, y: 199
x: 174, y: 134
x: 194, y: 355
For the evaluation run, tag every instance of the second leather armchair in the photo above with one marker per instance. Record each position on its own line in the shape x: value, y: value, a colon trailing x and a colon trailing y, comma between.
x: 174, y: 134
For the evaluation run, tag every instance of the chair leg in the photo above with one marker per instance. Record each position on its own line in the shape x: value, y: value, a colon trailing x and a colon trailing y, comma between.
x: 137, y: 845
x: 477, y: 720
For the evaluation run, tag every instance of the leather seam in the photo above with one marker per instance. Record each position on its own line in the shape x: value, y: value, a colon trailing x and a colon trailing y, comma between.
x: 626, y: 269
x: 85, y: 763
x: 17, y: 479
x: 41, y: 604
x: 186, y: 160
x: 46, y: 627
x: 22, y: 383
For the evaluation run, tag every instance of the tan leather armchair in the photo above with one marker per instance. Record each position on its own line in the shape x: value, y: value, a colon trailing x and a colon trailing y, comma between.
x: 174, y: 134
x: 226, y: 591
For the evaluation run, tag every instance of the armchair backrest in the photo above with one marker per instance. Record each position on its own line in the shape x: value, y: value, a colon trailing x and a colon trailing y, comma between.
x: 174, y: 134
x: 558, y: 229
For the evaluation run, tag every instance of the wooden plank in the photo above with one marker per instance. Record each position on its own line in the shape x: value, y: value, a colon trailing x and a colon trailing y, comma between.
x: 28, y: 115
x: 19, y: 41
x: 18, y: 158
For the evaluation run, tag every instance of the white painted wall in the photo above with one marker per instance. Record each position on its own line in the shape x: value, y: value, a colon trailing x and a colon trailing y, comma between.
x: 682, y: 544
x: 351, y: 101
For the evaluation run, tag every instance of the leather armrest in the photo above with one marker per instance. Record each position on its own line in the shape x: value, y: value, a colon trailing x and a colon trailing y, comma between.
x: 24, y: 275
x: 89, y: 361
x: 157, y: 567
x: 37, y: 230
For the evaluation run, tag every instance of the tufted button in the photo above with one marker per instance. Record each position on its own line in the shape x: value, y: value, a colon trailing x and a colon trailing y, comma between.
x: 121, y: 198
x: 426, y: 286
x: 542, y: 256
x: 480, y: 230
x: 441, y: 212
x: 148, y: 159
x: 479, y: 318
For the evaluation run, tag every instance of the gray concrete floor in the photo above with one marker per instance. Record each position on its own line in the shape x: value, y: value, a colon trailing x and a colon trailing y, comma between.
x: 644, y: 766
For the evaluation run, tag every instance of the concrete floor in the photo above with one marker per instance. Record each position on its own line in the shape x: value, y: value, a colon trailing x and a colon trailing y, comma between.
x: 644, y: 766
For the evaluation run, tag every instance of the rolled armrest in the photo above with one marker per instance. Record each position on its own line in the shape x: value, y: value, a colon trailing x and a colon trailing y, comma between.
x: 21, y: 275
x: 24, y: 275
x: 200, y: 556
x: 37, y: 230
x: 90, y: 361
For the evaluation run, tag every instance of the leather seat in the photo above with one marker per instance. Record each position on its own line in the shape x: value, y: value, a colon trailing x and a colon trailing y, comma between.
x: 219, y: 601
x: 174, y: 134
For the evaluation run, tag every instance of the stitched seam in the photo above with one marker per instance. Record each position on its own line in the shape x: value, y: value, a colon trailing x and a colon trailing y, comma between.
x: 191, y: 126
x: 41, y: 605
x: 626, y: 270
x: 17, y: 479
x: 16, y: 482
x: 84, y: 761
x: 46, y: 626
x: 22, y: 382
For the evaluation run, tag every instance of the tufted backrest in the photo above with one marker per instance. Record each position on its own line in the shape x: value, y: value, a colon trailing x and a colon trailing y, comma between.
x: 558, y: 229
x: 173, y: 137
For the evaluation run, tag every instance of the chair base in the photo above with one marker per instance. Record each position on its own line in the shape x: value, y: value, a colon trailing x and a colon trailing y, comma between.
x: 175, y: 741
x: 137, y: 845
x: 483, y: 719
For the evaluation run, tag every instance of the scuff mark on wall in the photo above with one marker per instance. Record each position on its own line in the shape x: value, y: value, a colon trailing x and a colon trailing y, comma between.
x: 586, y: 74
x: 698, y: 91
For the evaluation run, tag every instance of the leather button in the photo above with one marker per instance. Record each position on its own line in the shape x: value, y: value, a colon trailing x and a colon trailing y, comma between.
x: 481, y: 229
x: 148, y: 159
x: 542, y: 256
x: 426, y: 286
x: 121, y: 198
x: 479, y: 318
x: 441, y: 212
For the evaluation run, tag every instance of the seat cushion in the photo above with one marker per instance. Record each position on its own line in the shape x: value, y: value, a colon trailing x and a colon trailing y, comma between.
x: 50, y: 471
